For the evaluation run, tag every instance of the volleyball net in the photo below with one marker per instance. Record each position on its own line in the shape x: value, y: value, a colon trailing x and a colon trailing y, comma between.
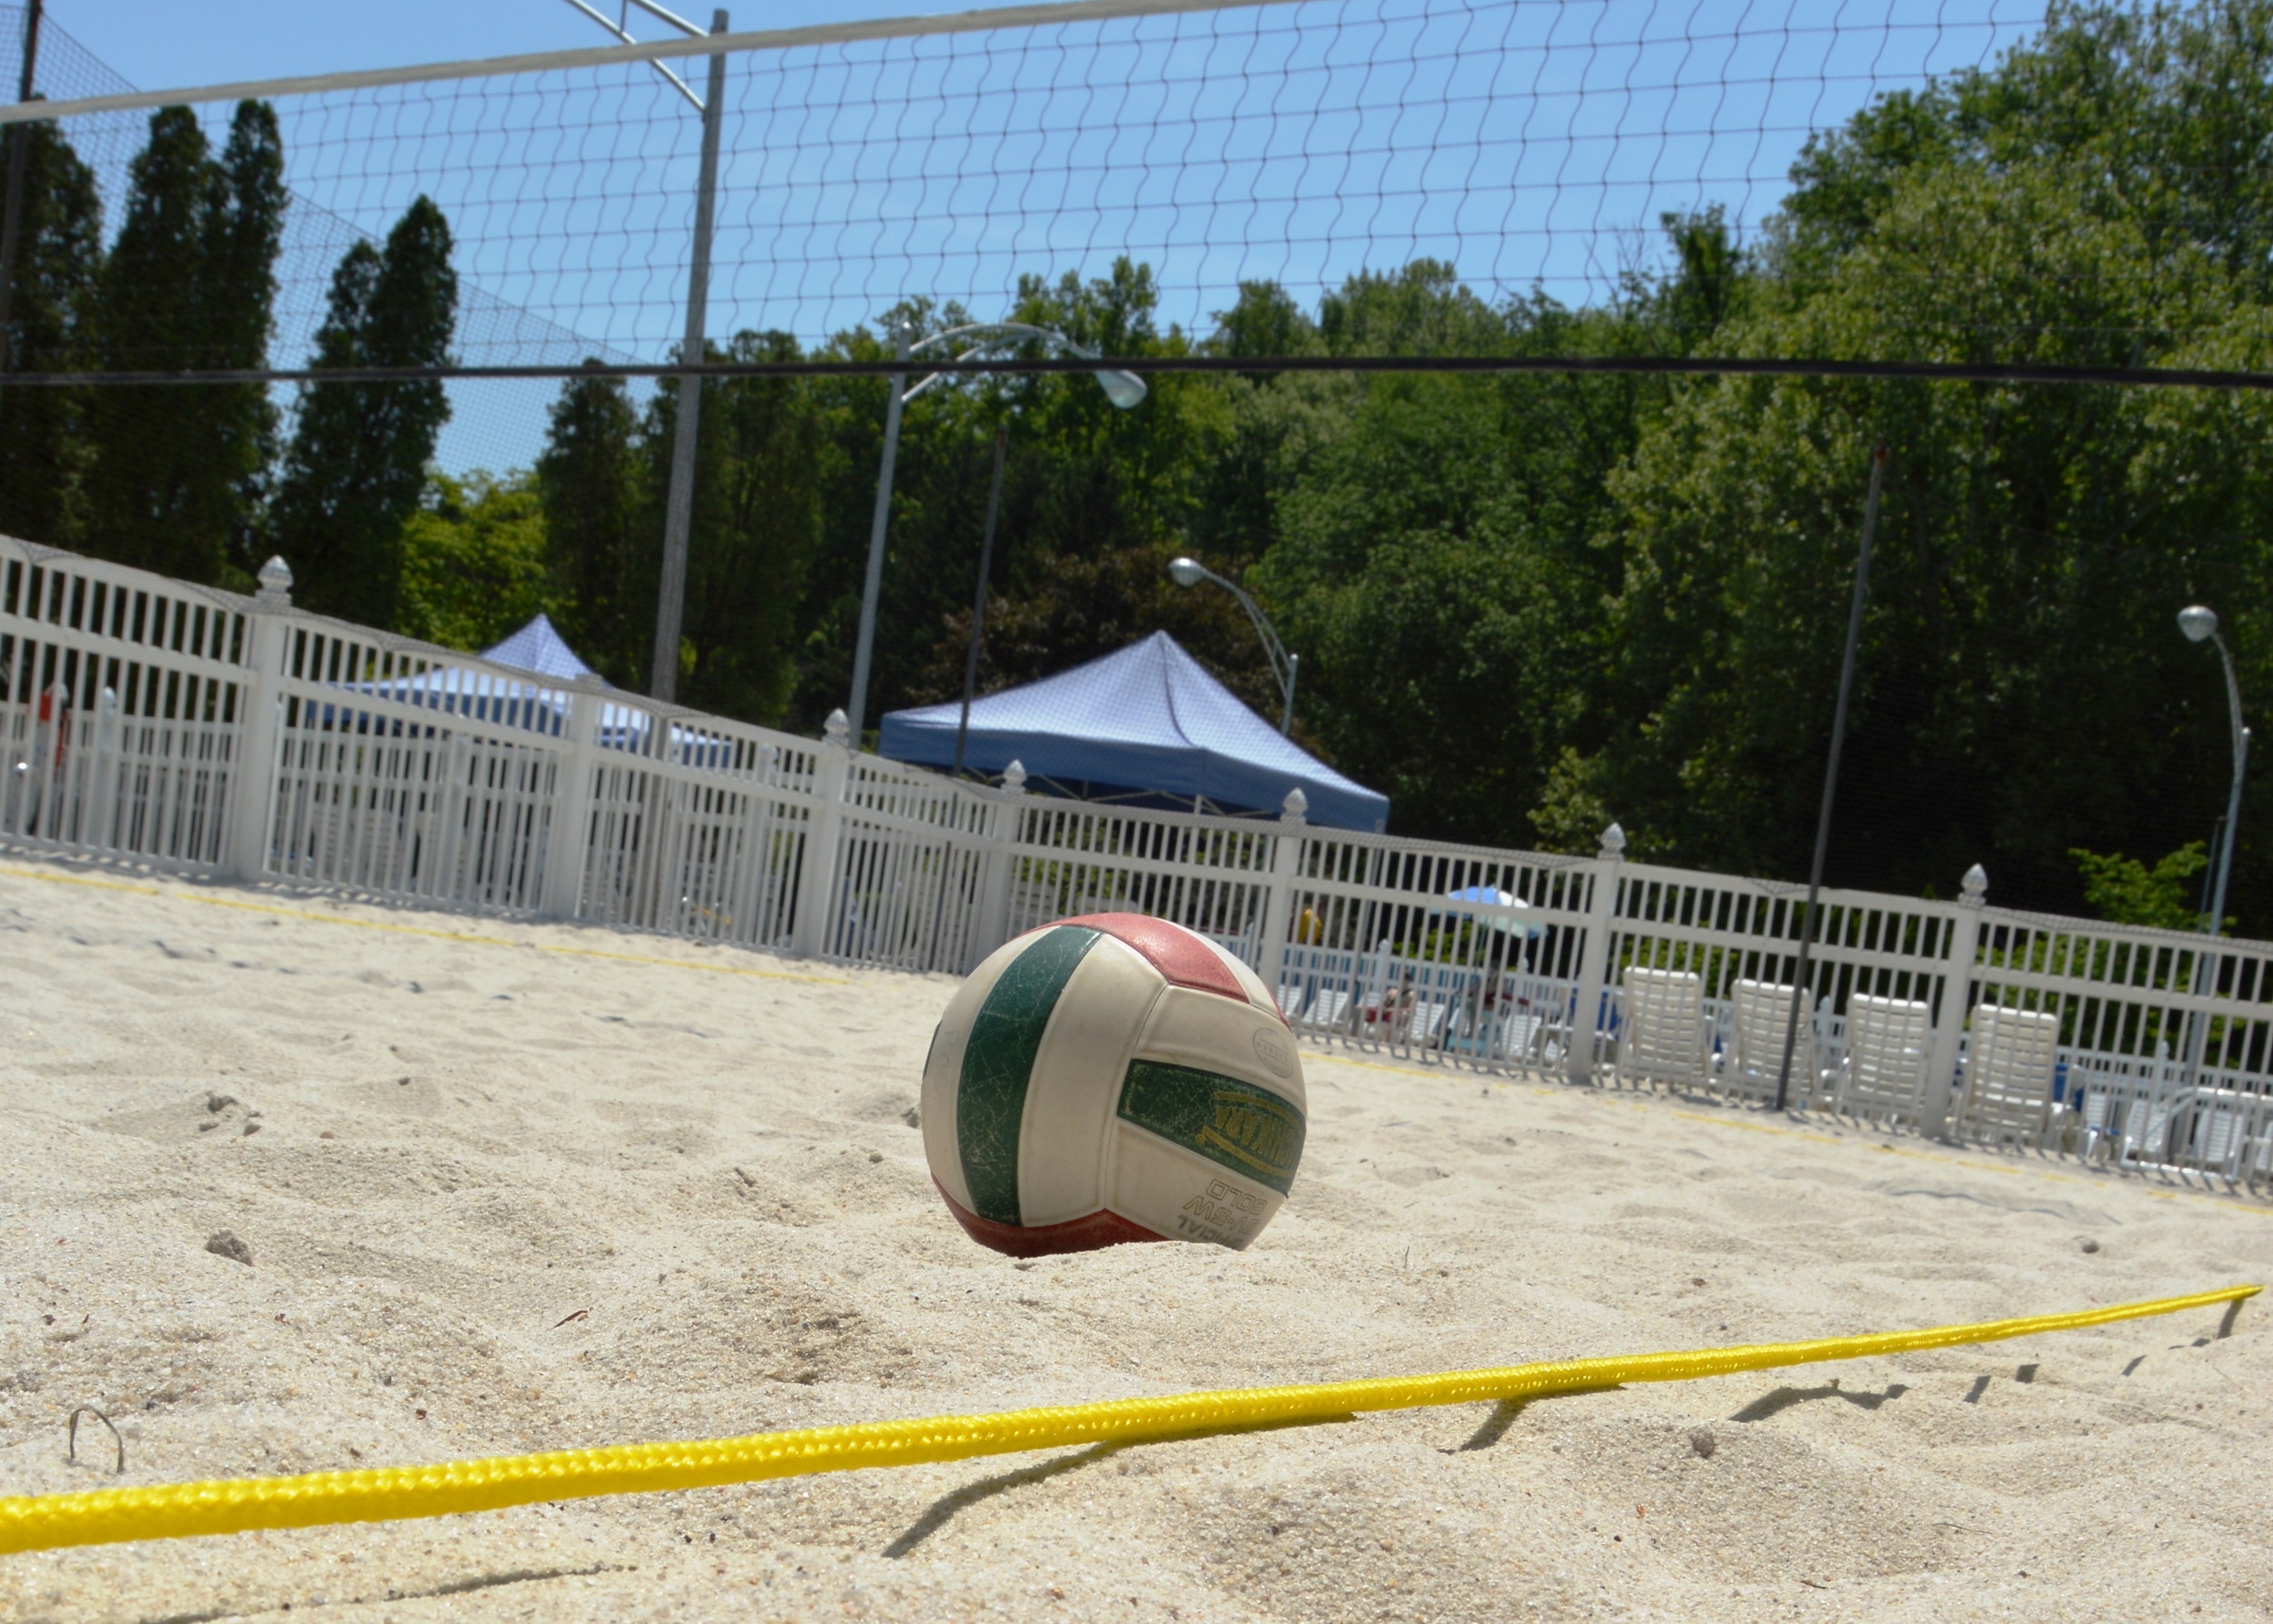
x: 945, y: 168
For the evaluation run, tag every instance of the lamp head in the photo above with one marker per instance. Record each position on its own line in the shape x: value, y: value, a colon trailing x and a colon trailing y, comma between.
x: 1187, y: 572
x: 1124, y: 389
x: 2197, y: 623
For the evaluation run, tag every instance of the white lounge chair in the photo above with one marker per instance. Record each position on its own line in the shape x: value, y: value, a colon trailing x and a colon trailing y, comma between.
x: 1663, y: 1039
x: 1759, y: 1020
x: 2010, y: 1062
x: 1889, y: 1042
x: 2146, y: 1131
x: 2096, y: 1111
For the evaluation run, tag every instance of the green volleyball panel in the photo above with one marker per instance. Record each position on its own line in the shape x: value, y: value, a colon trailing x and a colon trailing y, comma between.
x: 990, y: 1095
x: 943, y: 1066
x: 1248, y: 1130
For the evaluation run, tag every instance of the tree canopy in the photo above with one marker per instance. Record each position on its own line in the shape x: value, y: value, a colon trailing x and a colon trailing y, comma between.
x: 1525, y: 605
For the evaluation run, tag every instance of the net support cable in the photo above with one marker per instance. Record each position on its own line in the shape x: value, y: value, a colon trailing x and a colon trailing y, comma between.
x: 1133, y: 172
x: 1947, y: 372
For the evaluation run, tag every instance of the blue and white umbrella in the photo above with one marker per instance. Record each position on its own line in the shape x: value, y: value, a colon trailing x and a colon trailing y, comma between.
x: 1506, y: 908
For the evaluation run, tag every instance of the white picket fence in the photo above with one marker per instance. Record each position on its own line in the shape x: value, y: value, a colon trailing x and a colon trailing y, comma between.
x: 146, y: 721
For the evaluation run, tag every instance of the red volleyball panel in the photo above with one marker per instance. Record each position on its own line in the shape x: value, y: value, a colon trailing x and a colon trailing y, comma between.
x: 1178, y: 955
x: 1099, y: 1230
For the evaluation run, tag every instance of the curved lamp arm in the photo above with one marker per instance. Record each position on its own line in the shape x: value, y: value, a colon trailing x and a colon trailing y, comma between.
x: 2233, y: 693
x: 1124, y: 389
x: 1286, y: 666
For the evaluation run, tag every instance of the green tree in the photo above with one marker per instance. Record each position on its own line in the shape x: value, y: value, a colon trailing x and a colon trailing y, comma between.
x: 357, y: 466
x: 177, y: 473
x: 1095, y: 500
x: 592, y: 488
x: 59, y: 253
x: 2125, y: 891
x: 754, y: 528
x: 1437, y: 547
x: 476, y: 564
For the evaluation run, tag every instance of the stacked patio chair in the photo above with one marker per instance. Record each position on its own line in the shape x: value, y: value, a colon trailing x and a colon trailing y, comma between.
x: 2221, y: 1131
x: 2146, y: 1131
x: 2256, y: 1160
x: 2009, y: 1062
x: 1890, y: 1043
x: 1519, y: 1021
x: 1759, y: 1020
x: 1664, y: 1038
x: 2098, y: 1108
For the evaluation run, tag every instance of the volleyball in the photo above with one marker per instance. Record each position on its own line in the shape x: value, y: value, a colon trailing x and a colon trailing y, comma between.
x: 1110, y: 1078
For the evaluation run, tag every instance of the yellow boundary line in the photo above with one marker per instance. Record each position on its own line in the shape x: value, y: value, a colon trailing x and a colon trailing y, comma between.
x: 172, y: 1511
x: 446, y: 935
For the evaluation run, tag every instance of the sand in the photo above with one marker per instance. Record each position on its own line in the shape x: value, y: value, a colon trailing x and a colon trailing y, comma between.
x: 559, y: 1187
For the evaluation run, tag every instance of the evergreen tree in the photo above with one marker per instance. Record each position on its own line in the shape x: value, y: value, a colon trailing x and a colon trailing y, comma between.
x: 59, y: 250
x: 358, y: 464
x: 755, y: 528
x: 177, y: 472
x: 592, y: 485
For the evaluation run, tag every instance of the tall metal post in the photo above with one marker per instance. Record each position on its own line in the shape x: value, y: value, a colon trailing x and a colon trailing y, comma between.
x: 19, y: 161
x: 663, y: 673
x: 856, y: 707
x: 2206, y: 965
x: 1831, y: 773
x: 978, y: 607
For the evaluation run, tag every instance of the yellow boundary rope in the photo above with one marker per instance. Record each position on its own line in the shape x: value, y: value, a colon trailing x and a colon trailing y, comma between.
x: 175, y: 1511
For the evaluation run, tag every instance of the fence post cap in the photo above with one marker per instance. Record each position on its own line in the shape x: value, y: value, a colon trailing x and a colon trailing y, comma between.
x: 1613, y: 844
x: 837, y: 729
x: 275, y: 583
x: 1014, y: 778
x: 1973, y: 890
x: 1295, y: 808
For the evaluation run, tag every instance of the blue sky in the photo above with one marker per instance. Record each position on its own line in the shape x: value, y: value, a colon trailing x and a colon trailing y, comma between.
x: 1530, y: 143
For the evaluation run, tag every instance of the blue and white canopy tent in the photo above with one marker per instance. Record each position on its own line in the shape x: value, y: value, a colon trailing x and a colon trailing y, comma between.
x: 537, y: 647
x: 1146, y: 724
x: 503, y: 701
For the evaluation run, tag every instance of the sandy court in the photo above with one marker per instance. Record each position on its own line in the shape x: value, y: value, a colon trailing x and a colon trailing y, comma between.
x: 559, y: 1187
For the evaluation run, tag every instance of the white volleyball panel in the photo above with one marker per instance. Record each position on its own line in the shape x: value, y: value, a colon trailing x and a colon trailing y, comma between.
x: 1184, y: 1196
x: 1077, y: 1081
x: 1211, y: 1033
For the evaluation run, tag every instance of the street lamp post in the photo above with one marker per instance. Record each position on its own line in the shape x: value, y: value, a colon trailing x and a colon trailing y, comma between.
x: 1124, y: 389
x: 2200, y: 625
x: 1287, y: 667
